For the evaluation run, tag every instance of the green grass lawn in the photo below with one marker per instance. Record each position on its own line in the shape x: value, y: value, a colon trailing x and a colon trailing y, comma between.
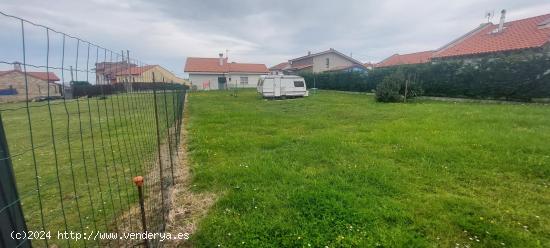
x: 341, y: 170
x: 97, y: 171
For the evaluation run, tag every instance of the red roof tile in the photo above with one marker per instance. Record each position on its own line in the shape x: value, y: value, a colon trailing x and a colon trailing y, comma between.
x: 242, y: 67
x: 36, y: 74
x: 517, y: 35
x: 405, y: 59
x: 213, y: 65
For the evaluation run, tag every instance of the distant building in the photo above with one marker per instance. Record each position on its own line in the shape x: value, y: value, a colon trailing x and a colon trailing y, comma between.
x: 13, y: 84
x: 329, y: 60
x: 406, y: 59
x: 528, y: 36
x: 369, y: 65
x: 279, y: 68
x: 106, y: 71
x: 145, y: 74
x: 218, y: 73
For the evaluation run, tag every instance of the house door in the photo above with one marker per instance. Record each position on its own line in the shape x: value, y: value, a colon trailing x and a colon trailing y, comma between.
x: 277, y: 87
x: 222, y: 83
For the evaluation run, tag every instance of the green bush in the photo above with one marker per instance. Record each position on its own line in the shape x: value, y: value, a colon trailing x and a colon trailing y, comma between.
x: 396, y: 86
x: 389, y: 89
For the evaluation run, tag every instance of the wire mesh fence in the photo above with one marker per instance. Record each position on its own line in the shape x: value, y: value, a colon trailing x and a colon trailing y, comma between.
x: 77, y: 123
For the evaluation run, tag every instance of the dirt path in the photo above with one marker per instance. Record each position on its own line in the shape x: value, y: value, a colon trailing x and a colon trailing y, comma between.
x: 186, y: 207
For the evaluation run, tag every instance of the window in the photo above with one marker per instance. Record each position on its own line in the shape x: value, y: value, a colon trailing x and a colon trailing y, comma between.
x: 8, y: 92
x: 244, y: 80
x: 298, y: 83
x: 327, y: 62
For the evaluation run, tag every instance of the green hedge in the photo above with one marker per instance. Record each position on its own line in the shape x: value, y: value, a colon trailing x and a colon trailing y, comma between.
x: 345, y: 81
x: 505, y: 77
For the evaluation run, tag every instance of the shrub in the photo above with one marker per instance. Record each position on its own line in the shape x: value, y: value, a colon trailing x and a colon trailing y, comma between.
x: 395, y: 86
x: 389, y: 89
x: 411, y: 86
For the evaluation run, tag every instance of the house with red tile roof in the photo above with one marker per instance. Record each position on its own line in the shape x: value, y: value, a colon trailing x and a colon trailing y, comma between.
x: 406, y: 59
x: 329, y: 60
x: 219, y: 73
x: 525, y: 36
x: 106, y: 71
x: 145, y: 74
x: 15, y: 83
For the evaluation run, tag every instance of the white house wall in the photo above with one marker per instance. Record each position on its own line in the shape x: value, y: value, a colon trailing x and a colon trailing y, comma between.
x: 236, y: 77
x: 198, y: 80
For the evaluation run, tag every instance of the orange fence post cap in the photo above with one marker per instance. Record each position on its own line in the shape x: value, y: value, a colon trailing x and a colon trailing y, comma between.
x: 138, y: 181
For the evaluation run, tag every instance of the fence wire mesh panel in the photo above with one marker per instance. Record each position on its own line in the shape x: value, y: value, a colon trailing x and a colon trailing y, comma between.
x: 79, y: 123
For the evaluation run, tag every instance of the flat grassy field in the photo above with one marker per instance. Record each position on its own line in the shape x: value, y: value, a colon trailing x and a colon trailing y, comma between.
x: 341, y: 170
x: 85, y: 183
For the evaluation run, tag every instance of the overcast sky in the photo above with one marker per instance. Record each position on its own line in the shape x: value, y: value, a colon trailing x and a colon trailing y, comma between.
x: 165, y: 32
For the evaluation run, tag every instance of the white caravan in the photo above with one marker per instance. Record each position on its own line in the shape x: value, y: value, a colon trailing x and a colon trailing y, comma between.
x: 282, y: 86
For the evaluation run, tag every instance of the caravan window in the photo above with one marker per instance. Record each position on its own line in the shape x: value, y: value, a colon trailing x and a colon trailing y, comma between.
x: 298, y: 83
x: 244, y: 80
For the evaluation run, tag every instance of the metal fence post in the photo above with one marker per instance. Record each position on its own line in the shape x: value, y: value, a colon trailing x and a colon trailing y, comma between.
x: 11, y: 213
x: 168, y: 136
x: 161, y: 174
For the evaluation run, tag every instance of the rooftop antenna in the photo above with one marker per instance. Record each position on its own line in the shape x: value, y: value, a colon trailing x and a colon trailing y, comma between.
x: 489, y: 15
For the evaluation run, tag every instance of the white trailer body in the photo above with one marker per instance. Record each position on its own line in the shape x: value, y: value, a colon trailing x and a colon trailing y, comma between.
x: 272, y: 86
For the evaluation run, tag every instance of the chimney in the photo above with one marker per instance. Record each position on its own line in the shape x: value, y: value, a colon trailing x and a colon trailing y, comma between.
x: 502, y: 18
x: 308, y: 52
x: 17, y: 66
x: 221, y: 59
